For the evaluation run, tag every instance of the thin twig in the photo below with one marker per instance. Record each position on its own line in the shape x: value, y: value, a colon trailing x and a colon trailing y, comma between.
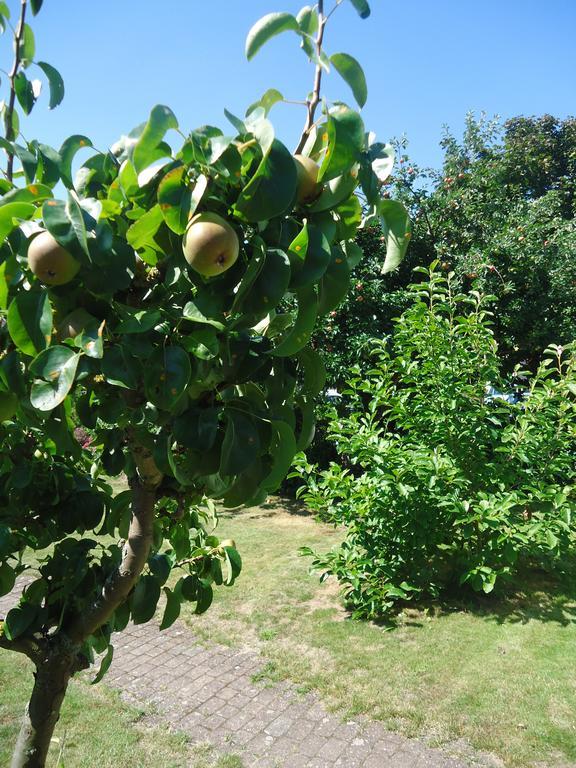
x: 314, y: 100
x: 12, y: 77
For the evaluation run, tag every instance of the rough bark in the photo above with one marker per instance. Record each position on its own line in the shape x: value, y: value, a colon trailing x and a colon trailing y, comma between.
x: 53, y: 671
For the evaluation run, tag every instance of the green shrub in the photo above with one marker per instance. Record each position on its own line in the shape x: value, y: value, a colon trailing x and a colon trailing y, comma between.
x: 439, y: 484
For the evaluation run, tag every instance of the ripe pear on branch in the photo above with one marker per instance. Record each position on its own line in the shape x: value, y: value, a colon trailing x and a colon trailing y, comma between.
x: 210, y: 244
x: 52, y: 264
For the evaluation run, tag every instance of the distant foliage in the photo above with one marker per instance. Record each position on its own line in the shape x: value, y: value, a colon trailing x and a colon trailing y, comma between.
x: 500, y: 215
x: 439, y: 484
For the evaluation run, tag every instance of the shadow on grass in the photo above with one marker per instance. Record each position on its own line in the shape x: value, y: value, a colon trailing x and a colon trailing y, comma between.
x: 533, y: 594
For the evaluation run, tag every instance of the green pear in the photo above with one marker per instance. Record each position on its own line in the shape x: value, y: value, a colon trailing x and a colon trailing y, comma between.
x: 8, y: 405
x: 73, y: 324
x: 308, y: 188
x: 210, y: 244
x: 51, y: 263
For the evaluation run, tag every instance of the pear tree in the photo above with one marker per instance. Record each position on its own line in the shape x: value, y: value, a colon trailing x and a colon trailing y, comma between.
x: 156, y: 310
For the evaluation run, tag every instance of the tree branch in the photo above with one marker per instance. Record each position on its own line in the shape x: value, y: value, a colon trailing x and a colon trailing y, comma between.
x: 12, y: 99
x: 21, y: 645
x: 314, y: 100
x: 135, y: 552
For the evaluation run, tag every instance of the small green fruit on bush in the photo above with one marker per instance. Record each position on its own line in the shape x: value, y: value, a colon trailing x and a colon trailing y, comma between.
x: 210, y: 244
x: 8, y: 405
x: 51, y: 263
x: 308, y: 187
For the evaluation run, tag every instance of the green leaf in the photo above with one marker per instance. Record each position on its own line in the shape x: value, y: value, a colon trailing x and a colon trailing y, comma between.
x: 65, y: 222
x: 161, y: 120
x: 267, y: 27
x: 137, y: 320
x: 19, y: 619
x: 335, y: 191
x: 49, y: 164
x: 166, y: 376
x: 234, y: 563
x: 335, y: 282
x: 141, y: 233
x: 267, y: 101
x: 145, y: 598
x: 241, y: 443
x: 316, y: 260
x: 345, y: 137
x: 67, y: 151
x: 202, y: 343
x: 35, y: 5
x: 349, y: 215
x: 27, y: 46
x: 397, y: 230
x: 28, y: 161
x: 11, y: 214
x: 206, y: 594
x: 282, y: 450
x: 299, y: 335
x: 307, y: 425
x: 57, y: 367
x: 271, y: 191
x: 160, y: 566
x: 192, y: 312
x: 4, y: 280
x: 172, y: 610
x: 30, y: 321
x: 4, y: 10
x: 55, y: 83
x: 307, y: 19
x: 104, y: 665
x: 362, y: 7
x: 7, y: 579
x: 24, y: 92
x: 119, y: 368
x: 314, y: 371
x: 31, y: 193
x: 174, y: 198
x: 352, y: 73
x: 252, y: 271
x: 269, y: 287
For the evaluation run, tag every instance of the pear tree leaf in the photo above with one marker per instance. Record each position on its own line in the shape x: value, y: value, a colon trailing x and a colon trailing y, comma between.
x: 353, y: 74
x: 267, y: 27
x: 362, y: 7
x: 55, y: 83
x: 397, y: 229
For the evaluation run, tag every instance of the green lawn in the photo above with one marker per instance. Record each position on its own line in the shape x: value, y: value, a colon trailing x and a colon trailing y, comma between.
x: 97, y: 729
x: 498, y: 673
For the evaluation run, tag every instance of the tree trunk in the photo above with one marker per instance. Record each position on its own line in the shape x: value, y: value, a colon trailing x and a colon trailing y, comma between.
x: 52, y: 674
x: 58, y: 658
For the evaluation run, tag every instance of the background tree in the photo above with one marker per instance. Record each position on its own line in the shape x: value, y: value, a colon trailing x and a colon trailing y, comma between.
x: 167, y: 310
x: 500, y: 215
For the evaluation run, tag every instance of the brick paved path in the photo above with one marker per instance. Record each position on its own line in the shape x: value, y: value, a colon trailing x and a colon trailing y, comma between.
x: 209, y: 694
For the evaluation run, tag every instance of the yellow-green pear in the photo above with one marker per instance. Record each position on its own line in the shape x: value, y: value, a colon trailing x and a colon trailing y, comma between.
x: 210, y: 244
x: 308, y: 188
x: 51, y: 263
x: 8, y: 405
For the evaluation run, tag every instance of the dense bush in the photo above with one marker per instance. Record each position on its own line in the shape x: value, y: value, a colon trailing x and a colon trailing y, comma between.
x: 438, y: 483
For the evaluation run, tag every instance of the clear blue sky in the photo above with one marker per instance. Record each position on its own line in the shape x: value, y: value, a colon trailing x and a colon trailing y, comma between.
x: 427, y: 63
